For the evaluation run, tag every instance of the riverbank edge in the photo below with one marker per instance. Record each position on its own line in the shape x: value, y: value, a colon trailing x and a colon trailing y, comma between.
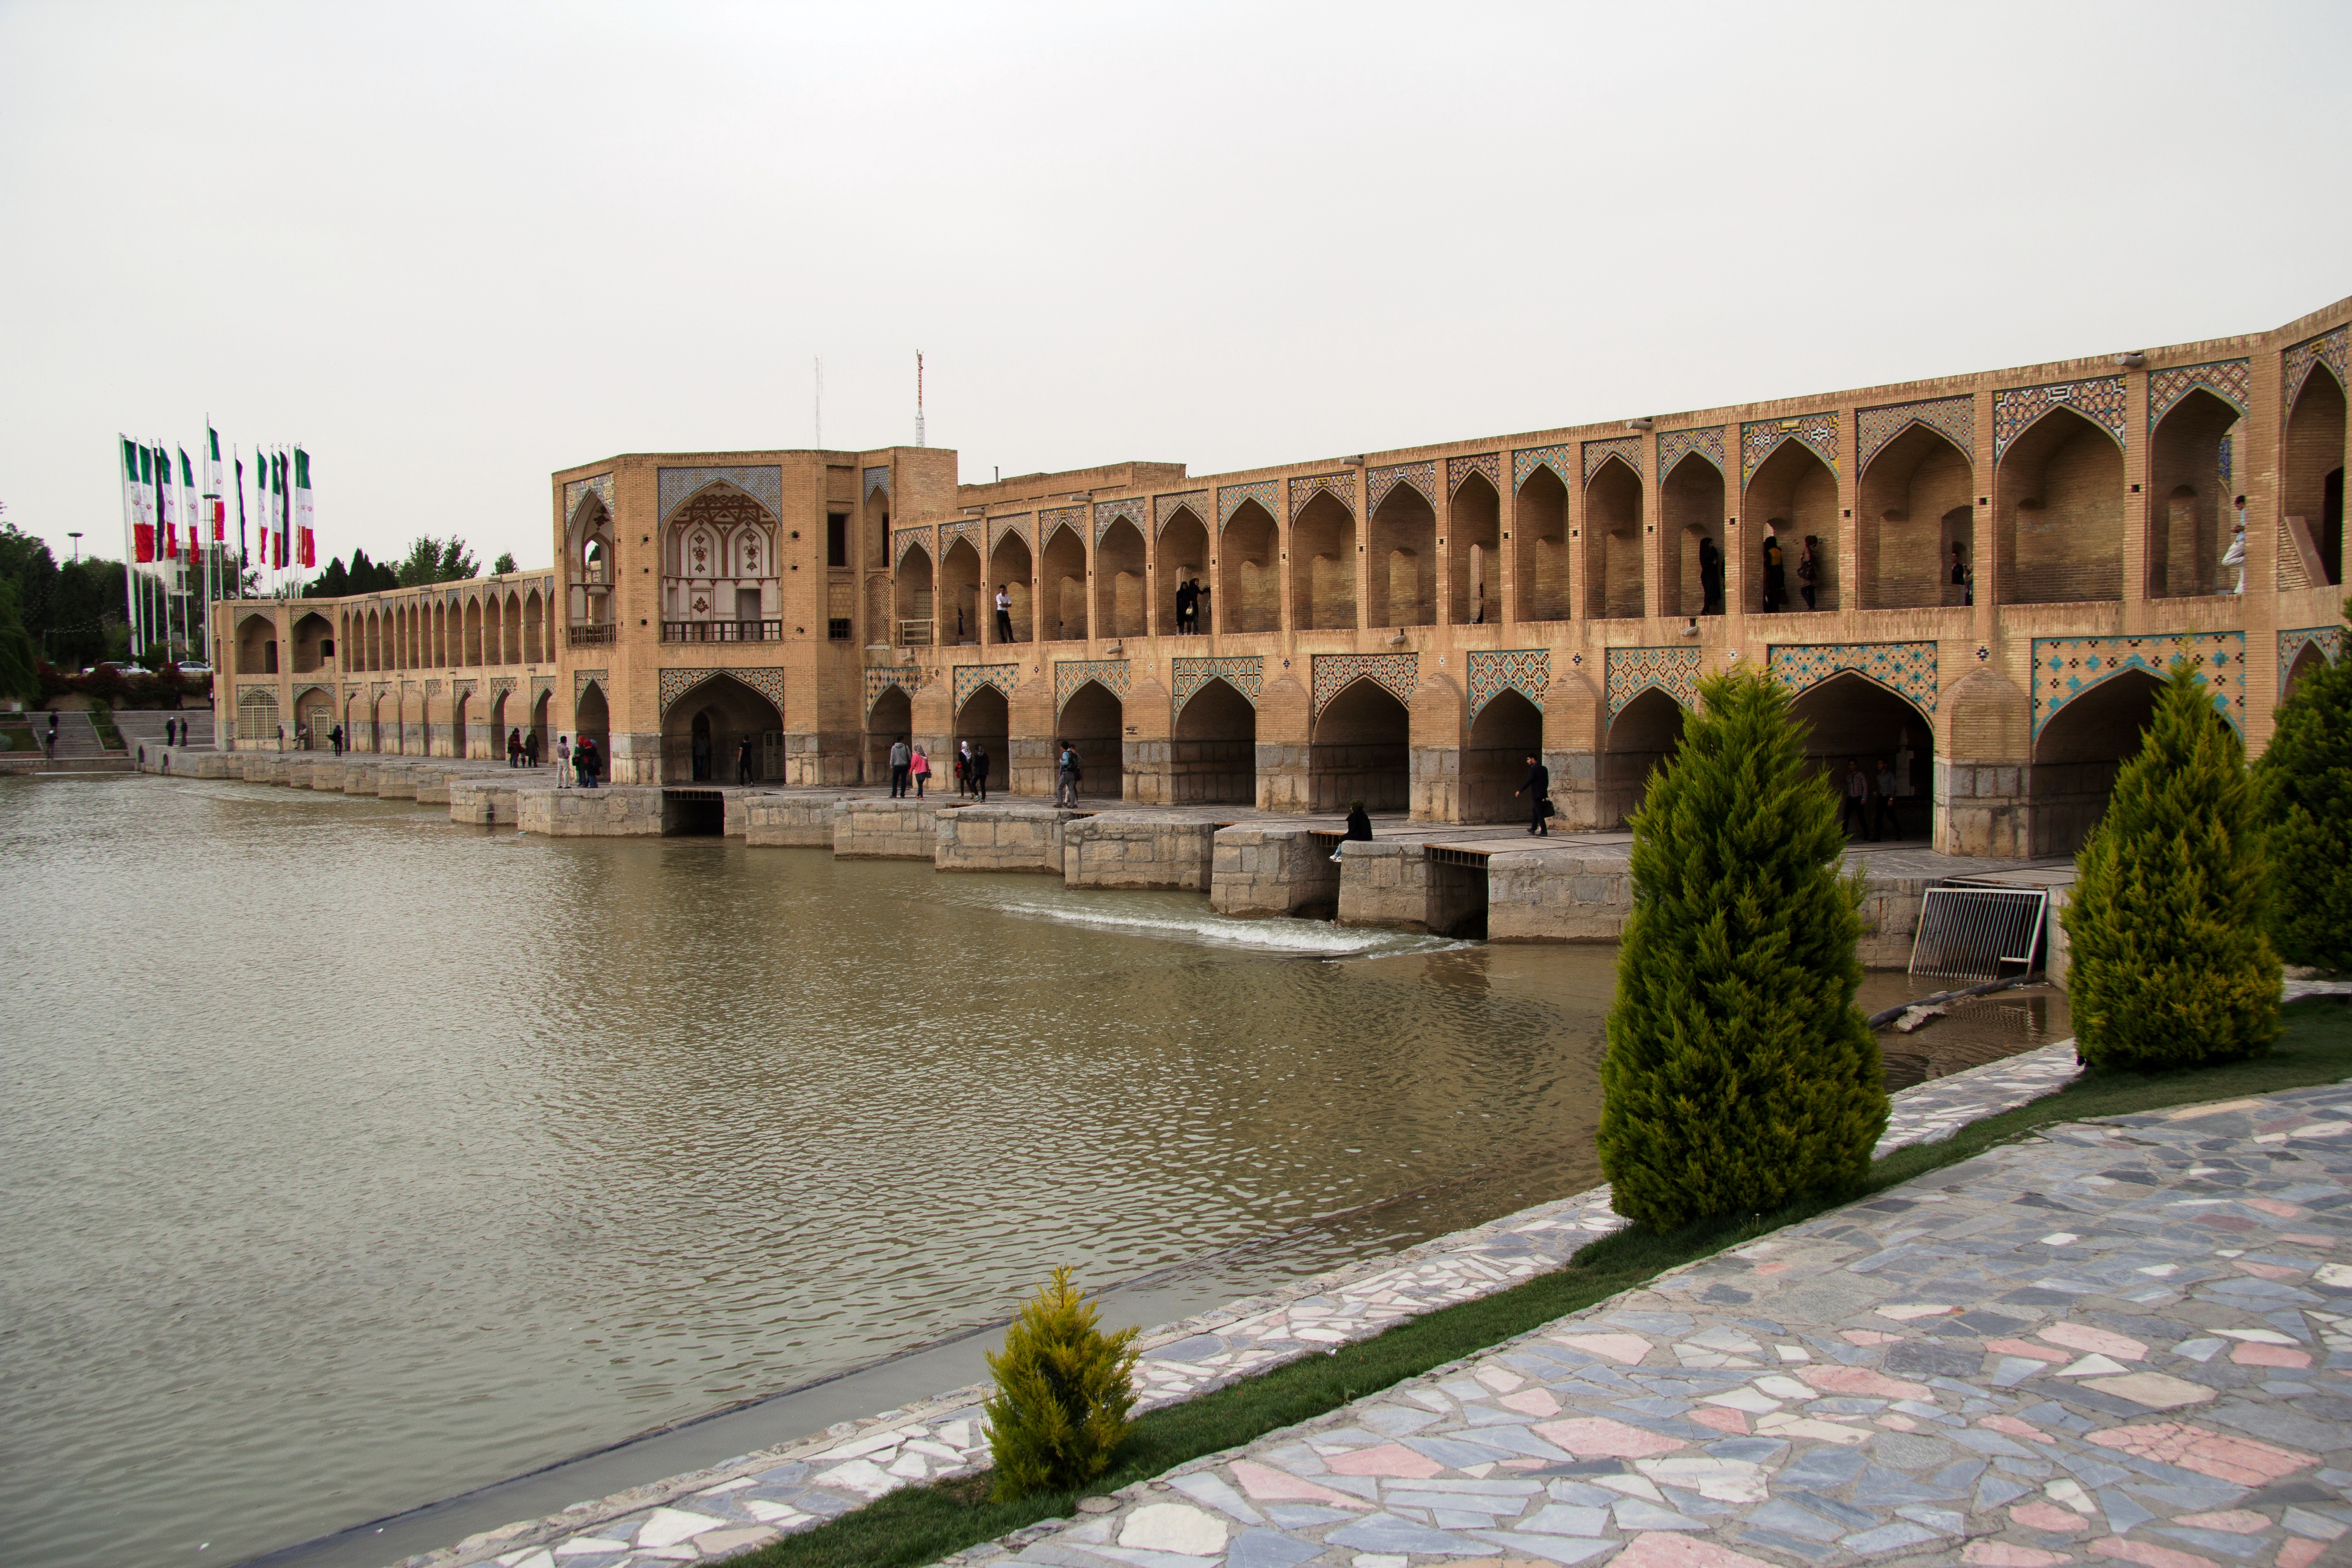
x: 1924, y: 1113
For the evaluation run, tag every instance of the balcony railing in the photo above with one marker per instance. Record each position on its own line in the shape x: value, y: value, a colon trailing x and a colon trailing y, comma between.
x: 722, y: 631
x: 592, y: 636
x: 915, y: 634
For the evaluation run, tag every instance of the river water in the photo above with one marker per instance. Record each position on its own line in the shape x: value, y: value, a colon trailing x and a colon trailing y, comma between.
x: 352, y: 1158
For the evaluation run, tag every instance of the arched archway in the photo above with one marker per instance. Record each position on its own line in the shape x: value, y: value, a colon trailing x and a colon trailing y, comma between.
x: 438, y: 648
x: 314, y: 718
x: 1915, y: 502
x: 1095, y: 722
x: 535, y: 629
x: 510, y: 636
x: 708, y: 729
x: 916, y: 604
x: 458, y: 739
x: 1118, y: 581
x: 959, y: 605
x: 314, y: 642
x: 1646, y: 732
x: 2188, y: 512
x: 538, y: 726
x: 1249, y: 573
x: 1540, y: 534
x: 2078, y: 755
x: 1506, y: 732
x: 1323, y: 551
x: 1400, y: 561
x: 2058, y: 513
x: 1850, y: 718
x: 499, y: 726
x: 1361, y: 749
x: 1690, y: 511
x: 1011, y: 568
x: 256, y: 646
x: 1474, y: 535
x: 890, y: 720
x: 718, y: 568
x: 2310, y: 660
x: 2313, y: 470
x: 985, y: 719
x: 592, y: 723
x: 1793, y: 497
x: 1063, y: 587
x: 1213, y: 755
x: 474, y: 633
x: 1613, y: 543
x: 1183, y: 559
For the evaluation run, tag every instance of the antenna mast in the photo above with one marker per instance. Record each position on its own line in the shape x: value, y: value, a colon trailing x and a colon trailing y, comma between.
x: 918, y: 397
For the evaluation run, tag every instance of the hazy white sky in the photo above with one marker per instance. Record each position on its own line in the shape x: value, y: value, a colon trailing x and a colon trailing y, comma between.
x: 452, y: 247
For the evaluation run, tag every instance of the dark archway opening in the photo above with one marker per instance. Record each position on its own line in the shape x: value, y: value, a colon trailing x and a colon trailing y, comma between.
x: 1613, y: 543
x: 891, y: 719
x: 2059, y: 513
x: 1009, y: 568
x: 2188, y: 514
x: 2314, y: 488
x: 1793, y: 498
x: 1095, y: 722
x: 1183, y: 559
x: 1506, y: 732
x: 1850, y: 718
x: 2078, y: 755
x: 1914, y: 507
x: 1119, y: 592
x: 1540, y: 531
x: 1474, y: 535
x: 1646, y: 732
x: 1323, y: 552
x: 1400, y: 561
x: 1361, y: 749
x: 1690, y: 511
x: 596, y: 727
x: 986, y: 721
x: 1249, y: 575
x: 1212, y: 760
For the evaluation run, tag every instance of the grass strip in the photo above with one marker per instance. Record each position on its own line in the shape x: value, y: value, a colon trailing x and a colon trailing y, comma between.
x: 917, y: 1525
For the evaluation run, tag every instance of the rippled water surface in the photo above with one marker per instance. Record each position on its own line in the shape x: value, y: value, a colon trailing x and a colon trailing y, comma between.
x: 352, y: 1158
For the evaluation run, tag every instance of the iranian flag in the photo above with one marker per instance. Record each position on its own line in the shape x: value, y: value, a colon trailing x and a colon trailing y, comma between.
x: 138, y: 475
x: 187, y: 510
x: 278, y: 510
x: 167, y: 515
x: 213, y: 502
x: 306, y: 543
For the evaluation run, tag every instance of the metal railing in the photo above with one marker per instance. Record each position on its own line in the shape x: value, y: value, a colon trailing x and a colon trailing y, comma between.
x: 1974, y: 932
x: 590, y: 637
x: 915, y: 634
x: 722, y: 631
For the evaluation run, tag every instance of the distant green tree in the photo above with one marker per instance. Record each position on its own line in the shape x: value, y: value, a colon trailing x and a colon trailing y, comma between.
x: 432, y: 560
x: 331, y: 584
x: 2169, y: 966
x: 2303, y: 788
x: 1740, y: 1076
x: 503, y: 564
x: 20, y: 665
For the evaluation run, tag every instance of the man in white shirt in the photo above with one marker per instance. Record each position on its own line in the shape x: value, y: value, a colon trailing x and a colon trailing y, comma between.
x: 1004, y: 613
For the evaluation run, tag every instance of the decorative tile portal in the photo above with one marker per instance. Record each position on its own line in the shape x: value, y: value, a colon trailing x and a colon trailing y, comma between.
x: 764, y: 484
x: 876, y: 479
x: 1677, y: 445
x: 2065, y: 667
x: 2231, y: 379
x: 2102, y: 402
x: 1905, y: 668
x: 2328, y: 640
x: 1626, y: 449
x: 2330, y: 349
x: 1399, y: 674
x: 768, y: 683
x: 600, y: 486
x: 1379, y: 482
x: 1342, y: 488
x: 1460, y: 469
x: 1631, y: 672
x: 968, y: 529
x: 1759, y: 438
x: 1135, y: 509
x: 971, y: 678
x: 1244, y: 675
x: 1230, y: 499
x: 1054, y: 518
x: 1954, y: 418
x: 1069, y: 674
x: 1015, y: 523
x: 1164, y: 508
x: 1526, y: 671
x: 1560, y: 460
x: 905, y: 539
x: 906, y: 678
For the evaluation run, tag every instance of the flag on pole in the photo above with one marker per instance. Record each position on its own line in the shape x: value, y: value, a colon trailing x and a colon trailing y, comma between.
x: 242, y: 560
x: 167, y: 515
x: 213, y: 504
x: 136, y: 465
x: 306, y: 544
x: 279, y: 513
x: 187, y: 507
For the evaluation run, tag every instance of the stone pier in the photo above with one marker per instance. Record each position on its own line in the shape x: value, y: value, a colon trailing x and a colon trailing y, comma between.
x: 788, y: 821
x: 1281, y: 870
x: 1008, y: 837
x: 485, y: 803
x: 1406, y: 885
x: 610, y: 813
x: 396, y: 781
x: 887, y: 829
x: 1112, y: 850
x: 359, y: 777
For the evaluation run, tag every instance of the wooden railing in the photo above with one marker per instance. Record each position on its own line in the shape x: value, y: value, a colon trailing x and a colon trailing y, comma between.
x: 722, y: 631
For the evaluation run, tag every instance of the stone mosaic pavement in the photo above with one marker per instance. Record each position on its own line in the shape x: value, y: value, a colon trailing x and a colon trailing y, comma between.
x: 2123, y: 1341
x: 739, y: 1505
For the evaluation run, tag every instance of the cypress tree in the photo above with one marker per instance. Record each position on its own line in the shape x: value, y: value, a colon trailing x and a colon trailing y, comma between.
x: 1740, y: 1076
x: 2302, y: 791
x: 1063, y: 1389
x: 2170, y: 964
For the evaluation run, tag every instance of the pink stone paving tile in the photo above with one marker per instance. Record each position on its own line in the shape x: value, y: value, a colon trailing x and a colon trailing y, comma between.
x: 2273, y: 1206
x: 2269, y: 1355
x: 2097, y: 1342
x: 2049, y: 1517
x: 2304, y: 1238
x: 2027, y: 1348
x: 2300, y: 1553
x: 2148, y: 1554
x: 2232, y: 1521
x: 1911, y: 1312
x: 2269, y: 1270
x: 1530, y: 1402
x: 1391, y: 1459
x: 1599, y: 1437
x: 2204, y: 1450
x: 1626, y: 1350
x: 1664, y: 1549
x: 1267, y: 1484
x: 1867, y: 1337
x: 2015, y: 1428
x: 1862, y: 1382
x: 1730, y: 1421
x: 2157, y: 1390
x: 2001, y: 1554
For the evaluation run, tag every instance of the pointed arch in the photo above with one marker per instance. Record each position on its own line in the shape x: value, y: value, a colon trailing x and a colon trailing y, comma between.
x: 1472, y: 545
x: 1914, y: 504
x: 2188, y: 513
x: 2058, y: 511
x: 1360, y: 749
x: 1691, y: 520
x: 710, y: 729
x: 1213, y: 748
x: 1249, y: 570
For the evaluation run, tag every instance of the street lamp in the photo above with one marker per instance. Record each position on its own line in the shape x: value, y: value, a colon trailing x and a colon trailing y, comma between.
x: 76, y: 536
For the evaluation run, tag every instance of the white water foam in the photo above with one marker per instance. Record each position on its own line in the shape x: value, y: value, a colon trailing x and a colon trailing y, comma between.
x: 1297, y: 937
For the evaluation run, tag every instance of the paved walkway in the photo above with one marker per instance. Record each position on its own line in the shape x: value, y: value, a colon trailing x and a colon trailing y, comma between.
x: 2124, y: 1340
x: 730, y: 1508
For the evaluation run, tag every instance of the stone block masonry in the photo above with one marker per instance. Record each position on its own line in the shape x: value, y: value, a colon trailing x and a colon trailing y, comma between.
x: 1002, y: 838
x: 789, y: 821
x: 359, y: 777
x: 619, y: 813
x: 396, y: 781
x: 887, y: 829
x: 1143, y: 852
x: 1274, y: 871
x: 486, y: 803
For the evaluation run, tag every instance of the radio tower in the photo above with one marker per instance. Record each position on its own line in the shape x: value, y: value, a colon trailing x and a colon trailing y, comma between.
x: 918, y: 397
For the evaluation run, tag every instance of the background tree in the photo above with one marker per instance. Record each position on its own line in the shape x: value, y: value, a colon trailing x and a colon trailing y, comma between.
x: 1740, y: 1075
x: 2303, y: 789
x: 19, y: 666
x: 431, y: 560
x: 75, y: 614
x: 503, y: 564
x: 2170, y: 963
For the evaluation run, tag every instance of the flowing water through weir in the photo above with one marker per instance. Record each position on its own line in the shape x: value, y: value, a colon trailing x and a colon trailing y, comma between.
x: 354, y: 1159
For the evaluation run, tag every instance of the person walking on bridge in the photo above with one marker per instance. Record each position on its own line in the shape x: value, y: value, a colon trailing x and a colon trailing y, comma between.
x: 979, y: 769
x: 918, y: 768
x: 1538, y: 787
x: 900, y: 756
x: 1856, y: 808
x: 743, y: 760
x: 563, y: 761
x: 1071, y: 769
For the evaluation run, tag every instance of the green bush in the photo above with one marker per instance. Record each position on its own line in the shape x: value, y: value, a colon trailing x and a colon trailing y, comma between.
x: 2302, y: 793
x: 2170, y: 965
x: 1063, y: 1391
x: 1740, y: 1075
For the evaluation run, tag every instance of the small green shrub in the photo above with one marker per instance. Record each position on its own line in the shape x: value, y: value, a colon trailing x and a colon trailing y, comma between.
x: 1063, y: 1389
x: 2303, y: 792
x: 1740, y: 1075
x: 2170, y: 965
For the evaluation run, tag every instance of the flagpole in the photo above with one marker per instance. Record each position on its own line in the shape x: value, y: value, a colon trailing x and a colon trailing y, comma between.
x: 128, y: 551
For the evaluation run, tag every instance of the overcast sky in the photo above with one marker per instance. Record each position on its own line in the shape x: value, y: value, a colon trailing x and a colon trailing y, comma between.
x: 454, y: 248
